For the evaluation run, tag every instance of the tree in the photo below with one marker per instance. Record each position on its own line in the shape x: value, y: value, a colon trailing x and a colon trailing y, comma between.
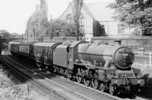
x: 5, y: 34
x: 62, y: 28
x: 5, y: 37
x: 98, y: 29
x: 135, y: 13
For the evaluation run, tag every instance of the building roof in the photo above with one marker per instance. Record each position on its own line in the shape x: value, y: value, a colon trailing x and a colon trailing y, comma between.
x: 101, y: 11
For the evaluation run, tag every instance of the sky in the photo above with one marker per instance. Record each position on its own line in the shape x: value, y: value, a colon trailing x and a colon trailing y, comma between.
x: 15, y: 13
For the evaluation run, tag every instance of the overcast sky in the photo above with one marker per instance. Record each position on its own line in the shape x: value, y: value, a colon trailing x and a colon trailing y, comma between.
x: 15, y: 13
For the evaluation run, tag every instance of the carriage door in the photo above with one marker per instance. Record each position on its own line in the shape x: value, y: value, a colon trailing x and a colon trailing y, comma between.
x: 45, y: 55
x: 48, y: 56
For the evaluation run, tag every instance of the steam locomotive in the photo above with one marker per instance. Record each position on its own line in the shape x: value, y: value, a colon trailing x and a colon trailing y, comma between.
x: 103, y: 66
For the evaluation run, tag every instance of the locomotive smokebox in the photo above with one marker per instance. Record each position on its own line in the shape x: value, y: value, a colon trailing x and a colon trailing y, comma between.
x: 123, y: 58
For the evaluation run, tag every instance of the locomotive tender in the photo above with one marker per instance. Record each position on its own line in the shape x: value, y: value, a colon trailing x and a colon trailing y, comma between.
x: 107, y: 67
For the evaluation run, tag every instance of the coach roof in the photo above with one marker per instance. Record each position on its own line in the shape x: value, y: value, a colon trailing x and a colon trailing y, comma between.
x: 14, y: 42
x: 45, y: 44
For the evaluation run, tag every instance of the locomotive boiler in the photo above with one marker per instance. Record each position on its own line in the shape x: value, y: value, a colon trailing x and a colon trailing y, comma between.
x: 107, y: 67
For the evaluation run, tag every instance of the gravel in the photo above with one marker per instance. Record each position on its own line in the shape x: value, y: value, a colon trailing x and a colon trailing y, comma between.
x: 21, y: 91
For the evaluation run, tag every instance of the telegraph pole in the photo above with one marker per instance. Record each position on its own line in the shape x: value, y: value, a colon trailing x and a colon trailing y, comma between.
x: 77, y: 6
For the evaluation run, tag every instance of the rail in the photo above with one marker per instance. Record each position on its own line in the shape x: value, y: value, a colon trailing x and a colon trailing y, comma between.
x: 66, y: 89
x: 9, y: 63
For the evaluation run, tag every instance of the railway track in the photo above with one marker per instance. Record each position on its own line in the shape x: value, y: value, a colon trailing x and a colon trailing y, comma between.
x: 62, y: 85
x: 43, y: 85
x: 79, y: 86
x: 24, y: 76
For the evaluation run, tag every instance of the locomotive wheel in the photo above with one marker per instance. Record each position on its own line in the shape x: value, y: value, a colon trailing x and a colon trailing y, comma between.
x: 58, y: 70
x: 61, y: 71
x: 112, y: 89
x: 51, y: 69
x: 74, y: 77
x: 38, y: 66
x: 39, y: 69
x: 102, y: 87
x: 86, y: 82
x: 94, y: 83
x: 46, y: 67
x: 55, y: 69
x: 67, y: 74
x: 78, y: 78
